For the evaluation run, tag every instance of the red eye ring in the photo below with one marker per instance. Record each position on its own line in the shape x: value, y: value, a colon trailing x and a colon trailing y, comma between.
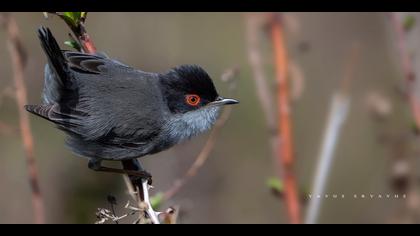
x: 192, y: 100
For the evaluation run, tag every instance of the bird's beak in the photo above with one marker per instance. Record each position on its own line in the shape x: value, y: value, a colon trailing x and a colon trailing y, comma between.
x: 220, y: 101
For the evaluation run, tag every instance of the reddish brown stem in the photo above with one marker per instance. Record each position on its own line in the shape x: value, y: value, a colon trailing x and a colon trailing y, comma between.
x: 86, y: 42
x: 18, y: 57
x: 79, y: 30
x: 285, y: 154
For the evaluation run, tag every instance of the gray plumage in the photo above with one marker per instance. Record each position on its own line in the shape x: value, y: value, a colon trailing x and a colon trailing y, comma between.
x: 111, y: 111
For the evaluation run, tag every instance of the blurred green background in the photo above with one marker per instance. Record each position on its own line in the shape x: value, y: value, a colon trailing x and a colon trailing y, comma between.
x: 231, y: 187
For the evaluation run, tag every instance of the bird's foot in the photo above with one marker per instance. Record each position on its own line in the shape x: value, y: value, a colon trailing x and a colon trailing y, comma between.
x: 138, y: 175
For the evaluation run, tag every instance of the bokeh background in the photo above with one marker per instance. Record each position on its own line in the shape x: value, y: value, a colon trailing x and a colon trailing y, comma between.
x: 231, y: 187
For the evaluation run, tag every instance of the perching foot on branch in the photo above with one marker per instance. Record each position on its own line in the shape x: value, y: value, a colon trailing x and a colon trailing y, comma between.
x: 141, y: 174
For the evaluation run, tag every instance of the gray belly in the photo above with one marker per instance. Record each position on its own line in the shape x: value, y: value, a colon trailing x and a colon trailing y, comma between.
x: 99, y: 151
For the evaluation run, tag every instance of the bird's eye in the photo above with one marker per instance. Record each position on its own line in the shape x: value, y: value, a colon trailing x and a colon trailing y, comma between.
x: 192, y: 100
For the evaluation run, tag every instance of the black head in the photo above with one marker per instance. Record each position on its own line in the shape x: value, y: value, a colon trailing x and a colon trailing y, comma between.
x: 189, y: 87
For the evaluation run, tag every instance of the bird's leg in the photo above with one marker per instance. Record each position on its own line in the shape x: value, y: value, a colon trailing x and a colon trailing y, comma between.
x: 142, y: 174
x: 133, y: 165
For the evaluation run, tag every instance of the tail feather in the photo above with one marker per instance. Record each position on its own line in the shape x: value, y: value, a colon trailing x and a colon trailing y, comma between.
x: 55, y: 56
x: 40, y: 110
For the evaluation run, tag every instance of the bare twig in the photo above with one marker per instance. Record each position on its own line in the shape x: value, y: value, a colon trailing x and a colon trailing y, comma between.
x: 141, y: 197
x: 280, y: 134
x: 18, y: 57
x: 208, y: 147
x: 403, y: 178
x: 285, y: 142
x: 253, y: 25
x: 407, y: 68
x: 339, y: 108
x: 149, y: 209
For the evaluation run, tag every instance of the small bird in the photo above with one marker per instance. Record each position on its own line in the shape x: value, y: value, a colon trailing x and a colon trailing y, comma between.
x: 111, y: 111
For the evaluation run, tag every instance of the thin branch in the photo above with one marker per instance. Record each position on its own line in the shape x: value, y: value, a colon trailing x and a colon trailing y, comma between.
x: 142, y: 199
x: 208, y: 147
x: 253, y: 25
x: 403, y: 178
x: 407, y: 68
x: 150, y: 212
x: 286, y: 152
x: 18, y: 57
x: 339, y: 108
x: 280, y: 134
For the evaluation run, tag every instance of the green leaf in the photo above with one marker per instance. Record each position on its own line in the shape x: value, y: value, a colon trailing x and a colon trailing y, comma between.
x: 75, y: 16
x: 72, y: 17
x: 409, y: 22
x: 275, y: 184
x: 72, y: 44
x: 157, y: 200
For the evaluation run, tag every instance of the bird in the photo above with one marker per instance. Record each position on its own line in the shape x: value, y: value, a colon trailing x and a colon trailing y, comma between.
x: 110, y: 111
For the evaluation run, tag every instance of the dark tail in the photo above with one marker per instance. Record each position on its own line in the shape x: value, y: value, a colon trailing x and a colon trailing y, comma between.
x: 56, y: 78
x: 55, y: 55
x: 40, y: 110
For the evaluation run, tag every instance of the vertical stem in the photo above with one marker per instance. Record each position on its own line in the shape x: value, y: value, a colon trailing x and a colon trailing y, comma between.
x: 337, y: 115
x: 263, y: 90
x: 339, y: 108
x: 411, y: 81
x: 17, y: 55
x: 150, y: 212
x: 286, y: 153
x: 84, y: 39
x: 407, y: 67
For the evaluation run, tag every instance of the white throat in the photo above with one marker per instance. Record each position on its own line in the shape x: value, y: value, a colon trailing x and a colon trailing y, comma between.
x: 184, y: 126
